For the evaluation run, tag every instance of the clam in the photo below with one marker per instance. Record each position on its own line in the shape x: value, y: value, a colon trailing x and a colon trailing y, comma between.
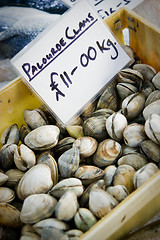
x: 147, y: 88
x: 151, y: 150
x: 109, y: 173
x: 28, y: 233
x: 7, y: 156
x: 109, y: 98
x: 105, y: 112
x: 63, y: 145
x: 152, y: 128
x: 115, y: 125
x: 14, y: 175
x: 134, y: 134
x: 144, y: 173
x: 154, y: 96
x: 95, y: 127
x: 24, y: 130
x: 68, y: 162
x: 6, y: 195
x: 152, y: 108
x: 136, y: 160
x: 9, y: 215
x: 42, y: 138
x: 85, y: 196
x: 146, y: 70
x: 130, y: 76
x: 64, y: 185
x: 88, y: 174
x: 48, y: 159
x: 74, y: 234
x: 156, y: 80
x: 3, y: 178
x: 35, y: 118
x: 75, y: 131
x: 54, y: 234
x: 24, y: 157
x: 37, y: 179
x: 126, y: 149
x: 107, y: 153
x: 119, y: 192
x: 124, y: 176
x: 10, y: 135
x: 101, y: 202
x: 37, y: 207
x: 133, y: 105
x: 67, y: 206
x: 50, y: 223
x: 84, y: 219
x: 89, y: 109
x: 125, y: 89
x: 86, y: 145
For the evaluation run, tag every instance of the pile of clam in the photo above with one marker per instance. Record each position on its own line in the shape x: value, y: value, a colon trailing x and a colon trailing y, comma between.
x: 58, y: 181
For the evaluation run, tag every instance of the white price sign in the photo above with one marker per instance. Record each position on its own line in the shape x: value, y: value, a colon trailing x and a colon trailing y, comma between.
x: 72, y: 62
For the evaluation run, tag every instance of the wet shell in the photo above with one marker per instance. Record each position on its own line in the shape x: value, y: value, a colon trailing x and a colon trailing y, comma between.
x: 152, y: 108
x: 136, y: 160
x: 151, y: 150
x: 133, y: 105
x: 35, y: 118
x: 42, y: 138
x: 68, y: 162
x: 107, y: 153
x: 101, y: 202
x: 144, y: 173
x: 119, y: 192
x: 124, y: 176
x: 37, y: 207
x: 88, y: 174
x: 48, y: 159
x: 109, y: 173
x: 14, y: 175
x: 86, y: 145
x: 61, y: 187
x: 134, y: 134
x: 152, y: 128
x: 24, y: 157
x: 115, y: 125
x: 10, y: 135
x: 3, y: 178
x: 95, y: 127
x: 84, y: 219
x: 67, y: 206
x: 9, y: 215
x: 50, y: 223
x: 36, y: 180
x: 6, y: 195
x: 7, y: 156
x: 146, y: 70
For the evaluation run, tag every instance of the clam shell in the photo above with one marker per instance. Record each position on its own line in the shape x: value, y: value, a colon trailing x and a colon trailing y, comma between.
x: 9, y: 215
x: 154, y: 96
x: 107, y: 153
x: 50, y: 223
x: 36, y: 180
x: 119, y: 192
x: 63, y: 145
x: 88, y: 174
x: 75, y: 131
x: 151, y: 150
x: 24, y: 157
x: 3, y: 178
x: 146, y: 70
x: 152, y: 108
x: 37, y: 207
x: 101, y: 202
x: 109, y: 173
x: 152, y: 128
x: 68, y: 162
x: 131, y: 76
x: 14, y: 175
x: 136, y: 160
x: 35, y: 118
x: 7, y: 156
x: 6, y: 195
x: 61, y: 187
x: 144, y: 173
x: 124, y: 176
x: 156, y: 80
x: 54, y: 234
x: 126, y: 89
x: 84, y: 219
x: 86, y: 145
x: 67, y: 206
x: 10, y: 135
x: 74, y: 234
x: 42, y: 138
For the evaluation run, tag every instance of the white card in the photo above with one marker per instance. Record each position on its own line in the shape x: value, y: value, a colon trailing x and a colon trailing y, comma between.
x: 72, y: 62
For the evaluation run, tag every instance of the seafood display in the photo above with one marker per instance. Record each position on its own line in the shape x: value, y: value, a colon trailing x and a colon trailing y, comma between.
x: 61, y: 180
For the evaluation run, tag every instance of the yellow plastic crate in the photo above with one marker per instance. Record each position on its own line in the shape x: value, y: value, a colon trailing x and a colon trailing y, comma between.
x: 140, y: 206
